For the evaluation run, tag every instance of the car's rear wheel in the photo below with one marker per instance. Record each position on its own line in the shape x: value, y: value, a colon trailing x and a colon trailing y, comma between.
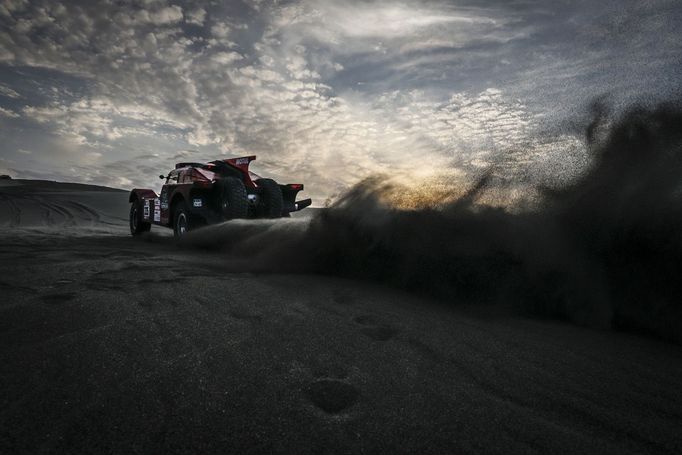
x: 137, y: 224
x: 271, y: 201
x: 232, y: 198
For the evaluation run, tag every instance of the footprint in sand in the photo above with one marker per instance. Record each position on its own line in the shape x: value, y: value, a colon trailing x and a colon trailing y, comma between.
x: 375, y: 330
x: 342, y: 297
x: 332, y: 396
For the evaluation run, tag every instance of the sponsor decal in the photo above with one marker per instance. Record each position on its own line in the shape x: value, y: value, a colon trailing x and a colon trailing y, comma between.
x: 146, y: 208
x: 164, y: 205
x: 157, y: 215
x: 157, y: 202
x: 241, y: 161
x: 197, y: 202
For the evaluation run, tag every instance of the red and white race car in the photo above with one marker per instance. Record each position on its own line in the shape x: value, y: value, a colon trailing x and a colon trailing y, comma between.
x: 197, y: 194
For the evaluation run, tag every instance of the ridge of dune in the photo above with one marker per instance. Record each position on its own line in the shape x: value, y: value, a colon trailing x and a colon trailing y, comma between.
x: 53, y: 185
x: 49, y: 204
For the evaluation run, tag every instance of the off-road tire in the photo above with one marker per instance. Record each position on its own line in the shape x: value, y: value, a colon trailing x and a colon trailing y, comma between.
x: 233, y: 201
x: 137, y: 225
x: 182, y: 221
x: 271, y: 202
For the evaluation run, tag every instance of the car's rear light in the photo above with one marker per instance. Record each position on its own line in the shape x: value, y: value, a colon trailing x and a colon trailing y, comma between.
x: 296, y: 186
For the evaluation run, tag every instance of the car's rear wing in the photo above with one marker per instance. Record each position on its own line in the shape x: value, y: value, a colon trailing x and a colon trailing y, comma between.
x: 241, y: 163
x: 235, y: 167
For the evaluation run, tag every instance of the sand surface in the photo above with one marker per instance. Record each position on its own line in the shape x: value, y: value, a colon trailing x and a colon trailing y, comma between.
x: 110, y: 343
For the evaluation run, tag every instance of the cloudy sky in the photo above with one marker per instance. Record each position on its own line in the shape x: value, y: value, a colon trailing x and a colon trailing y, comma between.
x: 325, y: 92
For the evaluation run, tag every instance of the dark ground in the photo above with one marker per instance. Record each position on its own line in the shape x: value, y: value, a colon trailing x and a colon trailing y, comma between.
x: 115, y: 344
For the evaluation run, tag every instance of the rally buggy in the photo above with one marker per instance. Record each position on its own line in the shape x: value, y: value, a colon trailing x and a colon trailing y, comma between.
x: 196, y: 194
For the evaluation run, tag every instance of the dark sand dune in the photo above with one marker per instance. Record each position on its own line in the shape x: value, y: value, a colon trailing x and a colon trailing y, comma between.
x: 38, y: 204
x: 115, y: 344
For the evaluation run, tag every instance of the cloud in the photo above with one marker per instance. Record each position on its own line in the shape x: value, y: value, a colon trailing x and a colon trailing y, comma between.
x: 391, y: 28
x: 97, y: 122
x: 196, y: 16
x: 8, y: 92
x: 220, y: 30
x: 226, y: 58
x: 326, y: 92
x: 167, y: 15
x: 8, y: 113
x: 392, y: 21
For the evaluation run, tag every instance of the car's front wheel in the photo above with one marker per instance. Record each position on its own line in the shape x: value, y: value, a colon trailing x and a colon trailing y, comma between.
x: 137, y: 224
x: 181, y: 219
